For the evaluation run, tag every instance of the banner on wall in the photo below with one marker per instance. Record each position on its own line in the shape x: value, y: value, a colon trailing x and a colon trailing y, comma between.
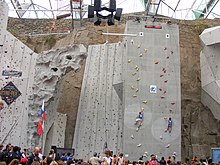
x: 11, y: 73
x: 9, y: 93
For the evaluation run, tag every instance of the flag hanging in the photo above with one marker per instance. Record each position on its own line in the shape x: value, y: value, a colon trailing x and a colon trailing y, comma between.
x: 42, y: 119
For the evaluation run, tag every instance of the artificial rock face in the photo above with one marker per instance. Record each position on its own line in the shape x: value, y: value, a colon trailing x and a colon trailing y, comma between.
x: 210, y: 71
x: 141, y: 74
x: 26, y: 80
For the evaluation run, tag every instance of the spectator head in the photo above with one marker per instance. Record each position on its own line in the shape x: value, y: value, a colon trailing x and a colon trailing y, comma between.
x: 1, y: 147
x: 8, y: 147
x: 15, y: 148
x: 162, y: 158
x: 36, y: 151
x: 121, y: 155
x: 14, y: 162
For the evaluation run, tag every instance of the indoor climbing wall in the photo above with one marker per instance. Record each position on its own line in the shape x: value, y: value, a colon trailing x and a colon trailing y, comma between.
x: 152, y: 88
x: 100, y: 113
x: 50, y: 67
x: 210, y: 72
x: 16, y: 79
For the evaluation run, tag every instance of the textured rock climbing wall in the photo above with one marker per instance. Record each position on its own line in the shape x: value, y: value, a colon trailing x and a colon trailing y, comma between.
x: 17, y: 63
x: 100, y: 114
x: 50, y: 67
x: 210, y: 72
x: 152, y: 86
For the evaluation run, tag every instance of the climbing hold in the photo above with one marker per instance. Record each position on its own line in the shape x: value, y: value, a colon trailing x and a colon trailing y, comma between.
x: 144, y: 155
x: 133, y: 74
x: 171, y: 110
x: 132, y: 41
x: 138, y: 79
x: 171, y: 52
x: 137, y: 89
x: 161, y: 137
x: 156, y: 62
x: 137, y: 69
x: 162, y: 97
x: 137, y: 129
x: 165, y: 81
x: 129, y: 61
x: 134, y: 95
x: 165, y: 48
x: 145, y: 101
x: 172, y: 103
x: 160, y: 89
x: 132, y: 87
x: 161, y: 75
x: 145, y: 50
x: 142, y: 109
x: 132, y: 136
x: 168, y: 57
x: 138, y: 145
x: 165, y: 92
x: 141, y: 55
x: 139, y: 46
x: 167, y: 146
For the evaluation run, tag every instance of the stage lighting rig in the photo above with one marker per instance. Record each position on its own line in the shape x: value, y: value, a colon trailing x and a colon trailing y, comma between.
x: 97, y: 8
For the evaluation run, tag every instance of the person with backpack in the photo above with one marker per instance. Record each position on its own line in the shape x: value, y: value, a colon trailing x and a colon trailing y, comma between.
x: 5, y: 154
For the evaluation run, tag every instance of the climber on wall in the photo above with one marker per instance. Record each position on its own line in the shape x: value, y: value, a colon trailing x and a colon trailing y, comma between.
x: 139, y: 119
x: 169, y: 125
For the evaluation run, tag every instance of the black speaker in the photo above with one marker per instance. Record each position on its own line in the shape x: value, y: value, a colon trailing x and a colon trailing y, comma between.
x: 97, y: 5
x: 112, y: 5
x: 90, y: 11
x: 118, y: 14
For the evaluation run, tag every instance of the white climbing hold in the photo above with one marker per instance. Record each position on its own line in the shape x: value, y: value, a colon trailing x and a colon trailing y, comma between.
x: 132, y: 41
x: 132, y: 87
x: 134, y: 95
x: 139, y: 46
x: 138, y: 145
x: 142, y: 109
x: 129, y: 61
x: 161, y: 137
x: 144, y: 155
x: 145, y: 50
x: 145, y: 101
x: 167, y: 146
x: 137, y: 129
x: 132, y: 136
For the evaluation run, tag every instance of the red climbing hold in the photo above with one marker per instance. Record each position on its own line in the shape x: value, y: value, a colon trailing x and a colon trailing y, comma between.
x: 165, y: 81
x: 156, y: 62
x: 161, y: 75
x: 162, y: 97
x: 171, y: 110
x: 165, y: 92
x: 160, y: 89
x: 172, y: 103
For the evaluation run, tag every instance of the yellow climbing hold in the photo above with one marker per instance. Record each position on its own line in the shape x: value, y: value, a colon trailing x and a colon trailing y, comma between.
x: 133, y: 74
x: 129, y: 61
x: 138, y: 79
x: 141, y: 55
x: 134, y: 95
x: 137, y: 89
x: 137, y: 69
x: 145, y: 101
x: 132, y: 87
x: 145, y: 50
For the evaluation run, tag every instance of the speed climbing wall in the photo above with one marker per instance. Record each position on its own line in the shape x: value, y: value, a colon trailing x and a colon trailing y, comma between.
x: 141, y: 74
x: 152, y: 86
x: 99, y: 122
x: 210, y: 72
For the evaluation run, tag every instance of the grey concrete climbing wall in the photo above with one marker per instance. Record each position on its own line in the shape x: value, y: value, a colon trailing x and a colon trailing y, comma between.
x: 152, y: 86
x: 210, y: 72
x: 26, y: 79
x: 100, y: 114
x: 50, y: 67
x: 16, y: 66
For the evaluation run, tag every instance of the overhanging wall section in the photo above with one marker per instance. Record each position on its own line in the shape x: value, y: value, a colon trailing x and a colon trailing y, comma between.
x: 152, y: 85
x: 100, y: 114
